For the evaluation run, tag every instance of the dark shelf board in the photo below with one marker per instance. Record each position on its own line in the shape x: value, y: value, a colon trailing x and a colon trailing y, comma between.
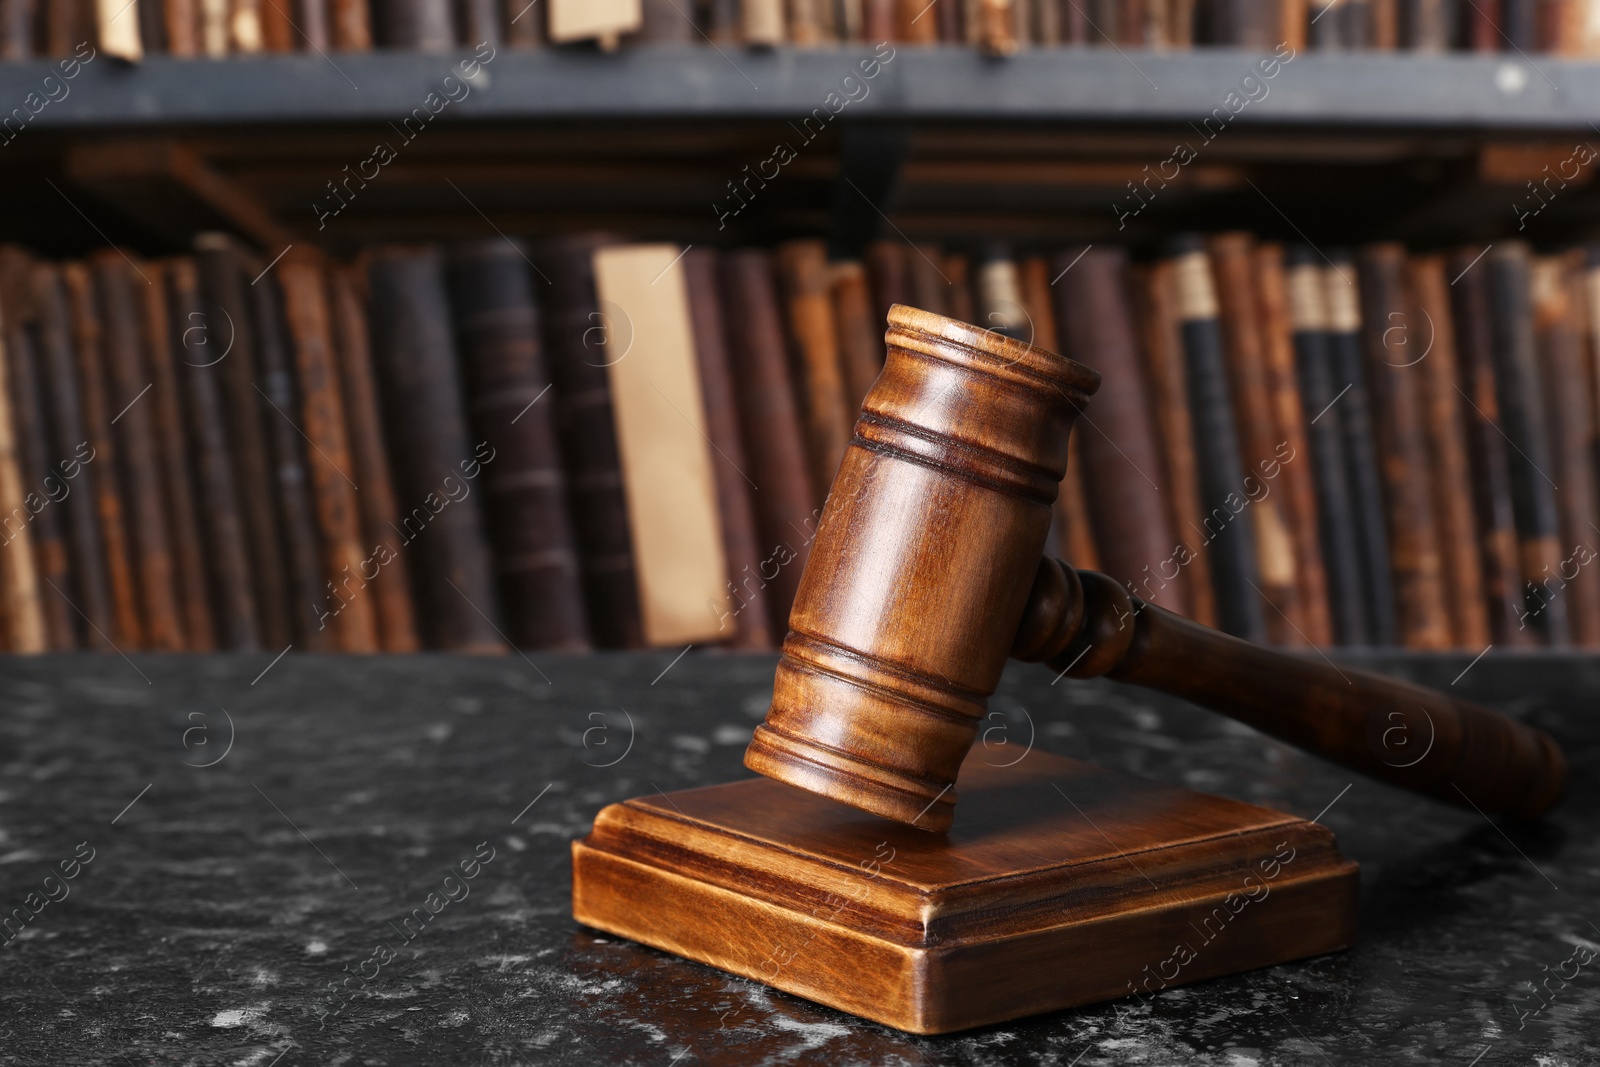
x: 1361, y: 91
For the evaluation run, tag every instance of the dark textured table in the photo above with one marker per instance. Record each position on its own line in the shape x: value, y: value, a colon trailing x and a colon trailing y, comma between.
x: 247, y: 851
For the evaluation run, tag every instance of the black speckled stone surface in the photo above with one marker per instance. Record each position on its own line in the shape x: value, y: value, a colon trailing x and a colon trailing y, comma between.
x: 221, y: 907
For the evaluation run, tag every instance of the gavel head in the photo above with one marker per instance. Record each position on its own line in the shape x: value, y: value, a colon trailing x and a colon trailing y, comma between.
x: 923, y: 562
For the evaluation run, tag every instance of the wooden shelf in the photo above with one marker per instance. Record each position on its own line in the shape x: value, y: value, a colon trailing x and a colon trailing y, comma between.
x: 1316, y: 90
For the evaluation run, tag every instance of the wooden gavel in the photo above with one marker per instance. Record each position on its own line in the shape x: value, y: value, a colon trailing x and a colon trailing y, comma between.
x: 927, y: 573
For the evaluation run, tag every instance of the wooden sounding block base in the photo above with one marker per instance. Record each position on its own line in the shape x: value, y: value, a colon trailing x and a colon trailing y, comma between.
x: 1060, y: 883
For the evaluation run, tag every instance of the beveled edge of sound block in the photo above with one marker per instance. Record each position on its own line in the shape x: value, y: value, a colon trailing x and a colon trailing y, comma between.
x: 1060, y: 884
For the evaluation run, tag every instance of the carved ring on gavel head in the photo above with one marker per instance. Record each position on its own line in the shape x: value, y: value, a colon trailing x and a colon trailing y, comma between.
x: 926, y: 574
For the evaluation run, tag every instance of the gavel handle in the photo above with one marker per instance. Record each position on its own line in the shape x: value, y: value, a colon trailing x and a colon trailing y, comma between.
x: 1087, y: 625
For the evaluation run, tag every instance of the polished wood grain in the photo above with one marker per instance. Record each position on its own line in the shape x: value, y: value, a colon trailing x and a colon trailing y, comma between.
x: 1059, y: 883
x: 926, y: 573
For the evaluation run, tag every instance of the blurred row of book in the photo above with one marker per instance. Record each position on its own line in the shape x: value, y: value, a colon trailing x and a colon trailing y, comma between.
x: 131, y: 29
x: 584, y: 443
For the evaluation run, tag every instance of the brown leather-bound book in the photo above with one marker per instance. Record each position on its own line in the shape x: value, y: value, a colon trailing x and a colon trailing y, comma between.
x: 67, y: 25
x: 930, y: 286
x: 1525, y: 422
x: 229, y: 320
x: 952, y: 22
x: 127, y: 628
x: 762, y: 22
x: 1245, y: 23
x: 1481, y: 31
x: 90, y: 594
x: 311, y: 593
x: 1132, y: 20
x: 1385, y: 24
x: 126, y: 383
x: 350, y: 25
x: 582, y: 339
x: 177, y: 484
x: 1295, y: 482
x: 887, y: 271
x: 524, y: 491
x: 806, y: 26
x: 22, y: 621
x: 347, y: 563
x: 744, y: 612
x: 1262, y: 447
x: 1072, y: 534
x: 1122, y: 464
x: 181, y: 23
x: 1425, y: 25
x: 1559, y: 326
x: 1486, y: 453
x: 1450, y: 473
x: 45, y: 484
x: 480, y: 21
x: 1162, y: 348
x: 786, y: 509
x: 380, y: 518
x: 284, y: 25
x: 1393, y: 339
x: 199, y: 351
x: 422, y: 25
x: 878, y: 19
x: 860, y: 338
x: 959, y: 271
x: 244, y: 26
x: 916, y: 22
x: 803, y: 267
x: 17, y: 22
x: 437, y: 463
x: 1293, y: 15
x: 722, y: 18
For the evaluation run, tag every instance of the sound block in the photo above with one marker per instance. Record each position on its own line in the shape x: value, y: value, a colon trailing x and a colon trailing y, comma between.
x: 1060, y: 883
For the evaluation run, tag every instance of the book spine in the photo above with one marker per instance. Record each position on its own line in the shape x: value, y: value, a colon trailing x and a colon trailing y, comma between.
x: 803, y: 267
x: 391, y: 589
x: 1466, y: 605
x: 1162, y: 349
x: 1483, y: 25
x: 744, y: 611
x: 177, y: 484
x: 959, y: 271
x: 764, y: 22
x: 480, y: 22
x: 345, y: 563
x: 1558, y: 325
x: 1355, y: 426
x: 181, y: 25
x: 887, y: 272
x: 1384, y: 23
x: 930, y: 286
x: 117, y: 29
x: 722, y: 20
x: 1295, y: 475
x: 311, y: 29
x: 227, y: 551
x: 420, y: 25
x: 90, y: 595
x: 1519, y: 25
x: 350, y: 25
x: 860, y: 341
x: 805, y: 23
x: 786, y: 513
x: 127, y: 381
x: 1486, y: 453
x: 229, y: 322
x: 214, y: 32
x: 435, y: 460
x: 244, y: 26
x: 916, y: 22
x: 127, y: 629
x: 1122, y: 476
x: 583, y: 338
x: 1392, y: 335
x: 17, y: 29
x: 1320, y: 393
x: 1262, y: 447
x: 1231, y: 543
x: 22, y: 620
x: 302, y: 547
x: 1524, y: 420
x: 525, y: 493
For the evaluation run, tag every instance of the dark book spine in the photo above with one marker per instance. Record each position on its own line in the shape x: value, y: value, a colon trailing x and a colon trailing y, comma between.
x: 886, y: 269
x: 391, y: 589
x: 126, y: 384
x: 1424, y: 25
x: 930, y: 286
x: 1319, y: 394
x: 1559, y: 315
x: 229, y: 321
x: 860, y: 335
x: 200, y: 348
x: 1230, y: 542
x: 46, y: 485
x: 480, y: 22
x: 803, y: 267
x: 1390, y: 324
x: 746, y: 607
x: 1483, y: 26
x: 1262, y: 449
x: 182, y: 19
x: 350, y: 25
x: 583, y: 339
x: 525, y: 493
x: 421, y: 25
x: 1122, y: 475
x: 309, y: 601
x: 127, y: 628
x: 17, y: 20
x: 90, y: 595
x: 436, y: 461
x: 22, y: 622
x: 1486, y: 453
x: 312, y: 31
x: 1360, y: 450
x: 667, y: 22
x: 1519, y: 25
x: 786, y: 512
x: 1524, y: 420
x: 177, y: 483
x: 1451, y: 481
